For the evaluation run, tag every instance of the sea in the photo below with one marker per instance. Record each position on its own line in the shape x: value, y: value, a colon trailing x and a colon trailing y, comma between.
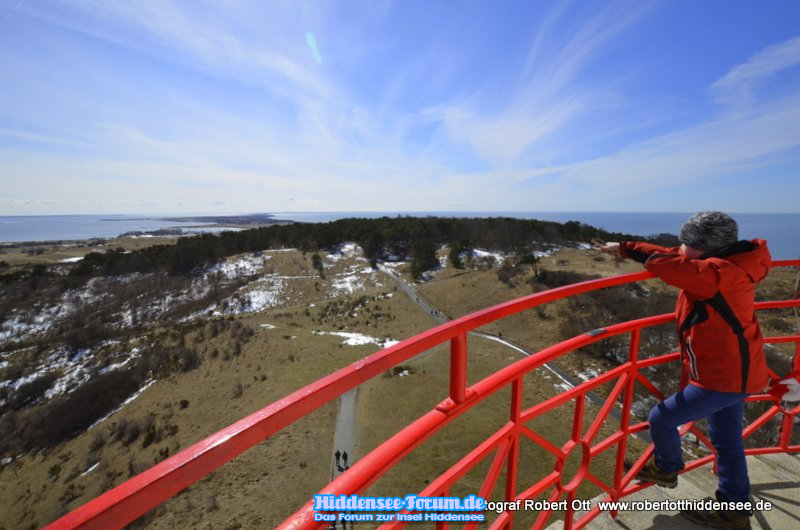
x: 782, y: 231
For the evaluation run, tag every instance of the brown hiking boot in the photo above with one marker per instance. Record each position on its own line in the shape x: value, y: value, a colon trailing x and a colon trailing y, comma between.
x: 652, y: 473
x: 726, y: 519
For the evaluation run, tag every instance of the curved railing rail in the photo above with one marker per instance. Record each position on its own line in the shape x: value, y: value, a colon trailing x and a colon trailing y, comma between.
x: 130, y: 500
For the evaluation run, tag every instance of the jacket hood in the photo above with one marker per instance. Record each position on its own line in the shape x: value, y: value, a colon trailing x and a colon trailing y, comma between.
x: 752, y: 257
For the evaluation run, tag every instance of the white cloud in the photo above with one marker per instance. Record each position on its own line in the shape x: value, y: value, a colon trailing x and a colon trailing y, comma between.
x: 258, y: 118
x: 547, y: 95
x: 725, y: 145
x: 738, y: 86
x: 230, y: 40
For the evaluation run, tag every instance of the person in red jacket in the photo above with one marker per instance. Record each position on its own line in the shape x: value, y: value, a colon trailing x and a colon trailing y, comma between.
x: 721, y: 351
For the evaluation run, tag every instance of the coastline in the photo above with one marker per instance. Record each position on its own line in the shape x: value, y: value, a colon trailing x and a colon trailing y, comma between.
x: 38, y: 231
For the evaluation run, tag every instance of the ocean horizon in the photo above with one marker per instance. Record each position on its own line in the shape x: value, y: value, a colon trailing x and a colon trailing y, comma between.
x: 782, y: 231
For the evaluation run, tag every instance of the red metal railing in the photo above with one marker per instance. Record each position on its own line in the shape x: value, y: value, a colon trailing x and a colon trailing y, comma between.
x: 130, y: 500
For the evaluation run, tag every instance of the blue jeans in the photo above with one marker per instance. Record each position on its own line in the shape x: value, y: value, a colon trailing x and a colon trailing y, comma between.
x: 725, y: 413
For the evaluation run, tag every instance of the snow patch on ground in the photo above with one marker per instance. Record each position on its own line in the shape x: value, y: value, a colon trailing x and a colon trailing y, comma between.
x: 356, y: 276
x: 347, y: 283
x: 347, y: 251
x: 124, y: 403
x: 73, y: 370
x: 133, y: 355
x: 358, y: 339
x: 242, y: 266
x: 545, y: 253
x: 483, y: 254
x: 264, y: 293
x: 32, y: 321
x: 91, y: 468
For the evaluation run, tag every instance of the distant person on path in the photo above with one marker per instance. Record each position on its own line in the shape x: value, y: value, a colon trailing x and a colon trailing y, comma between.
x: 721, y: 350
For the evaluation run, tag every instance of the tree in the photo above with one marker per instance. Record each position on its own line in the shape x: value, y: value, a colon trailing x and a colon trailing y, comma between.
x: 456, y: 249
x: 374, y: 247
x: 316, y: 262
x: 423, y: 254
x: 532, y: 260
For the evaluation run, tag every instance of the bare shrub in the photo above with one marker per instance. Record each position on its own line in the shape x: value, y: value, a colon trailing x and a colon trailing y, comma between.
x: 161, y: 362
x: 604, y: 307
x: 213, y: 504
x: 151, y: 435
x: 552, y: 279
x: 508, y: 271
x: 30, y: 393
x: 127, y: 431
x: 97, y: 442
x: 66, y: 416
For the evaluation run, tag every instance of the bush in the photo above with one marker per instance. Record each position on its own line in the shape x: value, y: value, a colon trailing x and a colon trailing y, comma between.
x: 127, y: 431
x: 67, y: 416
x: 609, y: 306
x: 30, y: 393
x: 161, y: 362
x: 97, y: 442
x: 553, y: 279
x: 508, y: 271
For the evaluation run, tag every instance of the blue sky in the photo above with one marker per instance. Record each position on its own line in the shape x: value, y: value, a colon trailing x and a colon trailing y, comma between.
x: 415, y: 105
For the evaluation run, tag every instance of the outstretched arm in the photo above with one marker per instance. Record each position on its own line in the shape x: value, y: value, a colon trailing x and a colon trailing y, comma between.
x: 699, y: 277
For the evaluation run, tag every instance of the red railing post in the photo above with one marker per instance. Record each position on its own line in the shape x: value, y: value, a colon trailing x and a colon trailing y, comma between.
x: 786, y: 430
x: 512, y: 466
x: 788, y: 419
x: 458, y: 368
x: 797, y: 356
x: 627, y: 403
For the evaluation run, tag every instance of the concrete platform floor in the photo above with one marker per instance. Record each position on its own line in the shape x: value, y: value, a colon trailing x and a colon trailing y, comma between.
x: 773, y: 478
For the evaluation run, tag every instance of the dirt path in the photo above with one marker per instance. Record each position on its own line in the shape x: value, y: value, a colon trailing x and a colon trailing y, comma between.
x: 344, y: 438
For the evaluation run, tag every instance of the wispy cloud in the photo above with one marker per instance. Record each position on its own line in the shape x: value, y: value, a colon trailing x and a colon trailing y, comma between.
x: 205, y: 103
x: 739, y: 85
x: 547, y: 95
x: 230, y: 40
x: 46, y: 139
x: 727, y: 144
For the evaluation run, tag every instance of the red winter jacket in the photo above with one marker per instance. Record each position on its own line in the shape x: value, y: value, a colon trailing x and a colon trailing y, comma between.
x: 721, y: 343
